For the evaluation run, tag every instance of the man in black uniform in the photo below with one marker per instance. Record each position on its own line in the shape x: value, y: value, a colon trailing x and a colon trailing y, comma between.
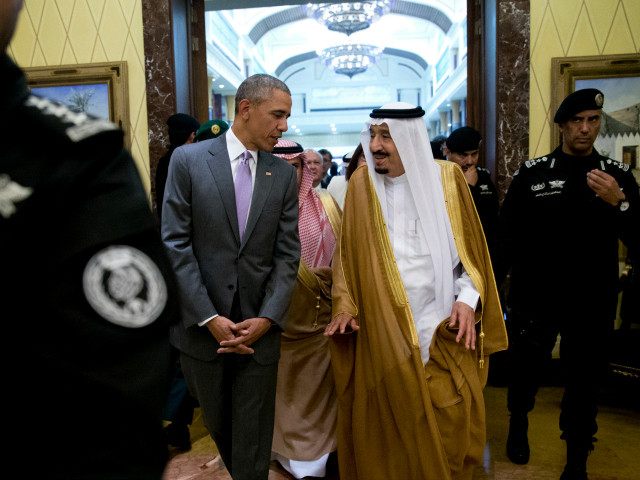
x: 559, y: 229
x: 182, y: 130
x: 85, y: 289
x: 463, y: 148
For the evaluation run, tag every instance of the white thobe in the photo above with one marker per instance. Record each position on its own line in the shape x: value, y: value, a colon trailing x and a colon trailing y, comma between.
x: 416, y: 265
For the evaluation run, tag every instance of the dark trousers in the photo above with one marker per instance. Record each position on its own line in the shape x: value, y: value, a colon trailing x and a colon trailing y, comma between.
x: 237, y: 399
x: 583, y: 363
x: 180, y: 404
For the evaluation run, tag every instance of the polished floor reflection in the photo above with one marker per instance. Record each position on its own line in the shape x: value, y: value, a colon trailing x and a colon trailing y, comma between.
x: 616, y: 456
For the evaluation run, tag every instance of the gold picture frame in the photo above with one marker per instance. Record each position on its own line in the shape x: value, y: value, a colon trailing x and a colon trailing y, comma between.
x: 571, y: 73
x: 99, y: 89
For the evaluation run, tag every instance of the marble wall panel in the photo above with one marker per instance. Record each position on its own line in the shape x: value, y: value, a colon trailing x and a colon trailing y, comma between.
x: 512, y: 93
x: 160, y: 76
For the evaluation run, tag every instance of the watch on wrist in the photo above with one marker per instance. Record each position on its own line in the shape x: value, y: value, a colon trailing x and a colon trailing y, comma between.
x: 623, y: 205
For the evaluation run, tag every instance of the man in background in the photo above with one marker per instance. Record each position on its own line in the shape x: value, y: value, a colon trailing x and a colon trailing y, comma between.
x: 86, y: 291
x: 327, y: 160
x: 436, y: 147
x: 211, y: 129
x: 182, y: 130
x: 463, y: 147
x: 315, y: 164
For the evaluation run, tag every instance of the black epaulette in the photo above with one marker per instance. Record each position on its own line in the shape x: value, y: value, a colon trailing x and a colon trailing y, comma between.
x: 604, y: 161
x: 64, y: 123
x: 545, y: 161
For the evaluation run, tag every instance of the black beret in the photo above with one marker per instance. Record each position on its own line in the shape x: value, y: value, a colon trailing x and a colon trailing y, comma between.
x: 397, y: 113
x: 181, y: 126
x: 181, y: 122
x: 463, y: 139
x: 578, y: 101
x: 211, y: 129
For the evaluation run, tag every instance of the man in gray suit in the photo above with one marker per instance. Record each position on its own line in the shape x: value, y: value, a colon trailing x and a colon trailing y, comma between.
x: 236, y: 270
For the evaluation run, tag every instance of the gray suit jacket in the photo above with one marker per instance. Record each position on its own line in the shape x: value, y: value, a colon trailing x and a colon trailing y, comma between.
x: 200, y: 231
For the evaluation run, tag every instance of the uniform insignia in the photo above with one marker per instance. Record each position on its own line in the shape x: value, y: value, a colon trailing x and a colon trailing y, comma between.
x: 82, y: 126
x: 534, y: 161
x: 215, y: 129
x: 621, y: 165
x: 599, y: 100
x: 124, y: 286
x: 484, y: 187
x: 10, y: 194
x: 556, y: 183
x: 537, y: 187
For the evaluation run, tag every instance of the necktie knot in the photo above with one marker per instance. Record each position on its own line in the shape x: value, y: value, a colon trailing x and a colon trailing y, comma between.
x: 246, y: 156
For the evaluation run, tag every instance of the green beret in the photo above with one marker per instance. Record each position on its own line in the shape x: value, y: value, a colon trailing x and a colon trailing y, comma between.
x: 211, y: 129
x: 463, y: 139
x: 579, y: 101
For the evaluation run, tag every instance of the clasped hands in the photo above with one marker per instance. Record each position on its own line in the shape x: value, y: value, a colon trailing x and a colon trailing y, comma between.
x: 462, y: 315
x: 238, y: 337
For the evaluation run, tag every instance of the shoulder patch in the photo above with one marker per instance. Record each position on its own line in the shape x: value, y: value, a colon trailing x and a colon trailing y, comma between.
x: 617, y: 163
x: 535, y: 161
x: 78, y: 126
x: 124, y: 286
x: 10, y: 194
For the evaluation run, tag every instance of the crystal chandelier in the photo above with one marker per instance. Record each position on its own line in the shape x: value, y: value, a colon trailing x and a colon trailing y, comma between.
x: 349, y: 17
x: 350, y: 59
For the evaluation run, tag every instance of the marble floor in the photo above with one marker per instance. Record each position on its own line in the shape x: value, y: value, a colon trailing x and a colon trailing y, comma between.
x: 616, y: 456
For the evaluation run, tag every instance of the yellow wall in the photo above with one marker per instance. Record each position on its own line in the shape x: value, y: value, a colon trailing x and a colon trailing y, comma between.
x: 61, y: 32
x: 567, y: 28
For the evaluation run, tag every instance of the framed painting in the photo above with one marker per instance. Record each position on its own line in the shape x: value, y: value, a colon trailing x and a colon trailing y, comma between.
x: 97, y: 89
x: 618, y: 77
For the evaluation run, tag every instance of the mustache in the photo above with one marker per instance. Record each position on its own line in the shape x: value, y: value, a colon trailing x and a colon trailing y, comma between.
x: 380, y: 152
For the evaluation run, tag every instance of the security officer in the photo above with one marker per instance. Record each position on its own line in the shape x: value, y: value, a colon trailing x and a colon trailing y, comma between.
x: 85, y: 291
x: 559, y: 229
x: 182, y: 130
x: 463, y: 148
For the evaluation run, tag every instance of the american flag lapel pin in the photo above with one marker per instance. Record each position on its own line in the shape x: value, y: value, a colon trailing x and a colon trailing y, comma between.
x: 268, y: 174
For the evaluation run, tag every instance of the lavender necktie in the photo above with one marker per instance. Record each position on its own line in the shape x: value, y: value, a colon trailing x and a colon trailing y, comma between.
x: 243, y: 191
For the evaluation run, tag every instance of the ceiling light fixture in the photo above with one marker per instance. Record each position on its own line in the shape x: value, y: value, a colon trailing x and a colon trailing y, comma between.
x: 349, y: 17
x: 350, y: 59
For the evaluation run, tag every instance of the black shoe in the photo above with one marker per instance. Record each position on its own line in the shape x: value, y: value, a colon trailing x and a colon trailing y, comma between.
x: 178, y: 436
x: 571, y: 473
x: 576, y: 467
x: 517, y: 442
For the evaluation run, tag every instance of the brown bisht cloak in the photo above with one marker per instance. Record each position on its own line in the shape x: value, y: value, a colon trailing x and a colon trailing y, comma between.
x: 398, y: 419
x: 306, y: 406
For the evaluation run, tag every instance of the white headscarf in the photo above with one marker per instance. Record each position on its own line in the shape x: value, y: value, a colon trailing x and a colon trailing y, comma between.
x: 423, y: 175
